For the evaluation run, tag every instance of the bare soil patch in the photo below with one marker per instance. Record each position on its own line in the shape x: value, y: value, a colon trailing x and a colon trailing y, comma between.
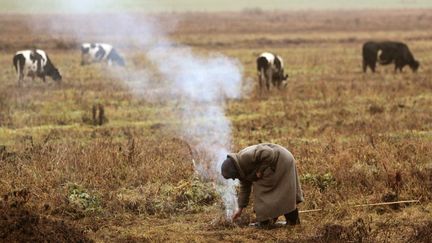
x: 20, y: 224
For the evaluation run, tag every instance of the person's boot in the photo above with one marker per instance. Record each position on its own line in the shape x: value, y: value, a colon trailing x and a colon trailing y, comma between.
x: 292, y: 218
x: 266, y: 224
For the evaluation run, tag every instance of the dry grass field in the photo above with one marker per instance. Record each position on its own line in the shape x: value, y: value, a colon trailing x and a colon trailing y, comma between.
x: 358, y: 138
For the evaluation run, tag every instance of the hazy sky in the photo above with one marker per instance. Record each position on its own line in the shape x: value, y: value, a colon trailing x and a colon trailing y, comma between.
x: 200, y: 5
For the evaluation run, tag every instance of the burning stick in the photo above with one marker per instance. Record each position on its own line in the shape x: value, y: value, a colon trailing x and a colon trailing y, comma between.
x: 189, y: 148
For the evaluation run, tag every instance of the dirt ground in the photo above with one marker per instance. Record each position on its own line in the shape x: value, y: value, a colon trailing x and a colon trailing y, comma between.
x: 21, y: 224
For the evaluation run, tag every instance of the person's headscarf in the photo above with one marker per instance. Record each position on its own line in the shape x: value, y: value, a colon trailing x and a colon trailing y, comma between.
x: 229, y: 169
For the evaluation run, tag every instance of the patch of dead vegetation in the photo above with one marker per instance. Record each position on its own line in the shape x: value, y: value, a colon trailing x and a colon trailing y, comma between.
x: 422, y: 233
x: 21, y: 224
x: 356, y: 232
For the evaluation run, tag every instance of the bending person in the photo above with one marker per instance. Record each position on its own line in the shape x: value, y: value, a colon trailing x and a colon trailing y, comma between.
x: 271, y: 171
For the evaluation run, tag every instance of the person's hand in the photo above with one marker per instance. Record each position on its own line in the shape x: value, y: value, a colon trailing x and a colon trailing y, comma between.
x: 237, y: 214
x: 259, y: 174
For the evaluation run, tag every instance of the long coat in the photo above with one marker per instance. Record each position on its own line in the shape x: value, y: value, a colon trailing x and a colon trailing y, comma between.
x: 278, y: 191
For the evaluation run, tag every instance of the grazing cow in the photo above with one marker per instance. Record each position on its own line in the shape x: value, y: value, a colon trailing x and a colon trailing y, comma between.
x: 34, y: 63
x: 99, y: 52
x: 270, y: 70
x: 388, y: 52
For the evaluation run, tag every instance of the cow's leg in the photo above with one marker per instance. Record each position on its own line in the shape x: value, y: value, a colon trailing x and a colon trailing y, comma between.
x: 260, y: 82
x: 278, y: 83
x: 20, y: 73
x: 373, y: 66
x: 373, y: 63
x: 20, y: 79
x: 401, y: 64
x: 273, y: 81
x: 269, y: 79
x: 262, y: 79
x: 397, y: 66
x: 364, y: 66
x: 82, y: 59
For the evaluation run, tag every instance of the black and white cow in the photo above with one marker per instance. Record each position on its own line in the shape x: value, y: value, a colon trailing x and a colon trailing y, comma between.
x: 34, y: 63
x: 271, y: 70
x: 100, y: 52
x: 388, y: 52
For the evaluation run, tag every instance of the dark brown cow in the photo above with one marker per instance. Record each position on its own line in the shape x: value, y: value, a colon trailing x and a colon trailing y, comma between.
x: 388, y: 52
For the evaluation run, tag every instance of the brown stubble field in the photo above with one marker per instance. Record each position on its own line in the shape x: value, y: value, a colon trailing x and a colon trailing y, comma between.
x: 358, y: 138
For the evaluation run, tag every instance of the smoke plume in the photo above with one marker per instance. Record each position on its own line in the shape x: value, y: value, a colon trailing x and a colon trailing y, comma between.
x: 199, y: 84
x: 202, y: 85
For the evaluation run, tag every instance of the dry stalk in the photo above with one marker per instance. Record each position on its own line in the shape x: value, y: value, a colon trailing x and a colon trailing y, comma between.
x: 364, y: 205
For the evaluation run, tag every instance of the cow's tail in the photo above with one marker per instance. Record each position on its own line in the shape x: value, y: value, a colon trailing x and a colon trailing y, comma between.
x: 16, y: 64
x: 262, y: 66
x: 262, y: 62
x: 19, y: 67
x: 262, y: 79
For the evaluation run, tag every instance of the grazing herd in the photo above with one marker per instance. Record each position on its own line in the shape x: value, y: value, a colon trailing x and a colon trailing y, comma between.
x: 271, y: 69
x: 36, y: 63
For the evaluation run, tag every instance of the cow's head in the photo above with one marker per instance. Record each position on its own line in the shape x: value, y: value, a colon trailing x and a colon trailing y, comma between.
x: 85, y: 50
x: 279, y: 79
x: 414, y: 65
x: 54, y: 74
x: 120, y: 61
x: 285, y: 81
x: 280, y: 75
